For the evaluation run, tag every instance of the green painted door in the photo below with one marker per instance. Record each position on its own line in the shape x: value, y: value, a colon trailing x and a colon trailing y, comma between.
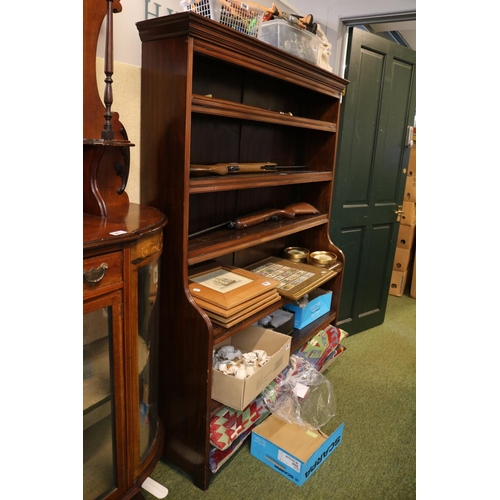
x: 377, y: 109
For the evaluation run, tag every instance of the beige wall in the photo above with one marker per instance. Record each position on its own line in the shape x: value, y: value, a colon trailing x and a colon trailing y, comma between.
x: 127, y: 103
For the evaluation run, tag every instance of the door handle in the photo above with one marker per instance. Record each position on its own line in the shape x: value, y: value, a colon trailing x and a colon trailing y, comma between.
x: 399, y: 212
x: 93, y: 276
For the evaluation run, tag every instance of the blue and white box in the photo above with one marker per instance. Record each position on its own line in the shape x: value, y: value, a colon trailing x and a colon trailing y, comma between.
x: 319, y: 304
x: 291, y: 450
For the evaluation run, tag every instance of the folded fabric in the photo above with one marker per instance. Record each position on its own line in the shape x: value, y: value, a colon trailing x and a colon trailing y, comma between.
x: 319, y: 348
x: 338, y: 350
x: 227, y: 424
x: 218, y: 458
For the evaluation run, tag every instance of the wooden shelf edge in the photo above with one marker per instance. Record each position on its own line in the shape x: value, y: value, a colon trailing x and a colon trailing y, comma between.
x: 221, y: 107
x: 218, y: 243
x: 220, y: 333
x: 211, y: 184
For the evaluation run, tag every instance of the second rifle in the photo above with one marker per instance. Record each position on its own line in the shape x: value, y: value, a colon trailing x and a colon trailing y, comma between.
x: 289, y: 212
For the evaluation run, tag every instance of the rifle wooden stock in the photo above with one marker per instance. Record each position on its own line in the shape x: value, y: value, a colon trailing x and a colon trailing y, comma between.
x: 226, y: 168
x: 289, y: 212
x: 264, y: 216
x: 302, y: 208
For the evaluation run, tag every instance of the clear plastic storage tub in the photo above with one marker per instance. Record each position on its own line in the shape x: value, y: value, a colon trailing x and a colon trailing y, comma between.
x: 299, y: 42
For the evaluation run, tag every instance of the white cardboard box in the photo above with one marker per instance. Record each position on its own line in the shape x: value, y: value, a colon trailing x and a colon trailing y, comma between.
x: 238, y: 393
x: 291, y: 450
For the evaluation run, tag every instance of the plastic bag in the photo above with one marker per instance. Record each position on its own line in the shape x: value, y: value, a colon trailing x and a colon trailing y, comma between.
x: 301, y: 395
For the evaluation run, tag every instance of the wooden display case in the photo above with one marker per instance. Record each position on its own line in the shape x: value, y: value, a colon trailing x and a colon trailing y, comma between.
x: 122, y: 244
x: 122, y: 434
x: 211, y: 95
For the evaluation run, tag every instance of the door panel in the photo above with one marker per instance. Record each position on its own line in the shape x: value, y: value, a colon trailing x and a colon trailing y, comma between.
x: 371, y: 172
x: 361, y: 123
x: 352, y: 238
x: 377, y: 266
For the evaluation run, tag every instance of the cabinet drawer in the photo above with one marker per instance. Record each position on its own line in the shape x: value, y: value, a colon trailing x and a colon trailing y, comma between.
x: 102, y: 271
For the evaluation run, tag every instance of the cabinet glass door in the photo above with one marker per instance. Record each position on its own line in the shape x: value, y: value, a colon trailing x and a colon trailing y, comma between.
x: 99, y: 449
x: 148, y: 281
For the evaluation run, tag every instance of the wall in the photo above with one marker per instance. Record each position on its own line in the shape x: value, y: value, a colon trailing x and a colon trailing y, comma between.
x: 127, y: 103
x: 127, y: 62
x: 127, y: 45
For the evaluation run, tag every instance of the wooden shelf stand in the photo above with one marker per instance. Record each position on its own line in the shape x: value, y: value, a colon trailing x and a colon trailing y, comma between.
x: 209, y: 95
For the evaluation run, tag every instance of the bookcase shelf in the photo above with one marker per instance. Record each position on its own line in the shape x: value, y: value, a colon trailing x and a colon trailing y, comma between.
x: 220, y: 107
x: 218, y: 243
x: 211, y: 184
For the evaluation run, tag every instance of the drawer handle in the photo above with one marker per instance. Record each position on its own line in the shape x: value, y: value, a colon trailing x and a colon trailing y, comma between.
x: 93, y: 276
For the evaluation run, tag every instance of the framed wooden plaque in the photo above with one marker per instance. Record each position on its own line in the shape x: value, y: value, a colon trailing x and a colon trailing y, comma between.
x: 295, y: 278
x: 228, y: 287
x: 227, y: 313
x: 244, y: 314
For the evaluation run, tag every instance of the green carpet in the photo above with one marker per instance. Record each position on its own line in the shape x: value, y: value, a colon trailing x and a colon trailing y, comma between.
x: 374, y: 383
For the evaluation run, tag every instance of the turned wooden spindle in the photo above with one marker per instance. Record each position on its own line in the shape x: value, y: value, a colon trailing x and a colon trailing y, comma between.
x: 106, y: 160
x: 107, y: 132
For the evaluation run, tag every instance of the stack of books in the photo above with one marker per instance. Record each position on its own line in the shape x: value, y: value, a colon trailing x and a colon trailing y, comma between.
x: 230, y: 294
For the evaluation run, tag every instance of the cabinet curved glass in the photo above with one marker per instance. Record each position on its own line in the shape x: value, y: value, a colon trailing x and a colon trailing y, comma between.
x: 122, y: 434
x: 148, y: 365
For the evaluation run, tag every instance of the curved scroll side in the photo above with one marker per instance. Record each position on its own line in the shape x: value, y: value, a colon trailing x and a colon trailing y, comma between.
x: 123, y: 169
x: 93, y: 201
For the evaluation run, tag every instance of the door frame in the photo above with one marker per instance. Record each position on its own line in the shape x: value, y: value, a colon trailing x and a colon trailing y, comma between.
x: 361, y: 22
x: 371, y: 308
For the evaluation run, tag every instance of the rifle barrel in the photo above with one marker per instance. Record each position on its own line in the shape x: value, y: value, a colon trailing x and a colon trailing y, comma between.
x: 241, y: 168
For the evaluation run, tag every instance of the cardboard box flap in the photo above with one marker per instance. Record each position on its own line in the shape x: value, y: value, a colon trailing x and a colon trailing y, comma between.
x: 255, y: 337
x: 297, y: 441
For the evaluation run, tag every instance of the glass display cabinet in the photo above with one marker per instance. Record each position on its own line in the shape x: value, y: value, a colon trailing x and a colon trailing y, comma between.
x: 121, y: 429
x: 122, y: 245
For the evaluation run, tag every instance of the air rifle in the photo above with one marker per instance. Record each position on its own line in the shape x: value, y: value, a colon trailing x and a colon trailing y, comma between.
x: 289, y: 212
x: 240, y: 168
